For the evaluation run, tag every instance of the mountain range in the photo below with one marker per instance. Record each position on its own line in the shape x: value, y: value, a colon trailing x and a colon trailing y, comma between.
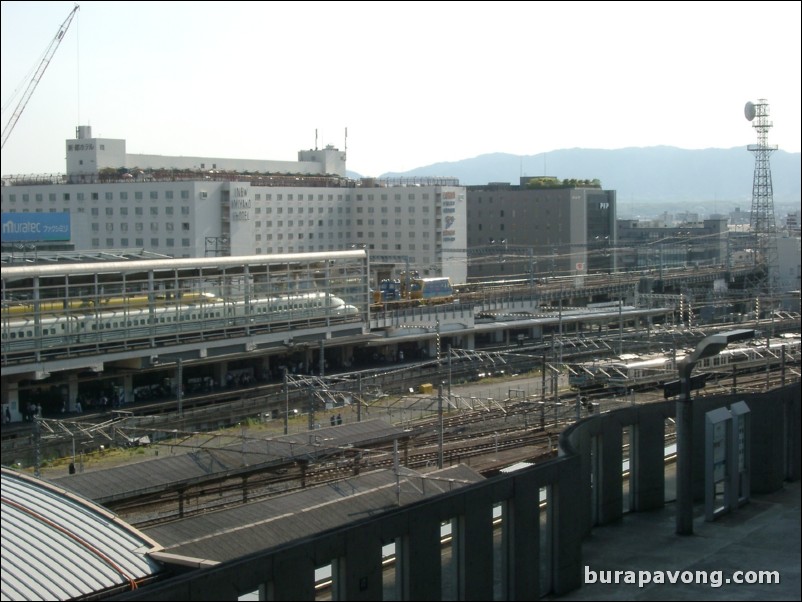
x: 649, y: 175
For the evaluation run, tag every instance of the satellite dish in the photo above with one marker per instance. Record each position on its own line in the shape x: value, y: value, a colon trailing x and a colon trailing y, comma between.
x: 749, y: 110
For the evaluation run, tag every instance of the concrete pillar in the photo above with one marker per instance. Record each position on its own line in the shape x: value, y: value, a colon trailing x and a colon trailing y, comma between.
x: 359, y: 575
x: 128, y: 387
x: 648, y: 470
x: 475, y: 539
x: 420, y: 570
x: 293, y: 577
x: 11, y: 399
x: 220, y: 370
x: 610, y: 495
x: 523, y: 530
x: 72, y: 393
x: 264, y: 367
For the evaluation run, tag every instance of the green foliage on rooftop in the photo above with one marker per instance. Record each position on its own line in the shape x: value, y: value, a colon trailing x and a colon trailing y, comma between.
x: 550, y: 182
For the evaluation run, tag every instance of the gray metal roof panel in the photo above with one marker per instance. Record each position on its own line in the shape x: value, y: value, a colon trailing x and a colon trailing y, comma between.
x: 235, y: 532
x: 165, y: 471
x: 58, y: 546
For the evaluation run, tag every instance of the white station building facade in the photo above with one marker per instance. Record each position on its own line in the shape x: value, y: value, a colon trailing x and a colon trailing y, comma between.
x: 184, y: 206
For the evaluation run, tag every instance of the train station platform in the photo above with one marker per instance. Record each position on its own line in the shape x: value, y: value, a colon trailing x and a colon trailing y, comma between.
x: 760, y: 539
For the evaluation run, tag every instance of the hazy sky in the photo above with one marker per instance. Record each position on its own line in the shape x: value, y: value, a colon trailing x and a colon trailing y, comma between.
x: 413, y: 83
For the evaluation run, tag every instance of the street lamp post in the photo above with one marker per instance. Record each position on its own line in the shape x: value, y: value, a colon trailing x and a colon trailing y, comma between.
x: 707, y: 347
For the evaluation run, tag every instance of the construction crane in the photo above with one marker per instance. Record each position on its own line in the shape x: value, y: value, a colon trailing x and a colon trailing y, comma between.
x: 51, y: 50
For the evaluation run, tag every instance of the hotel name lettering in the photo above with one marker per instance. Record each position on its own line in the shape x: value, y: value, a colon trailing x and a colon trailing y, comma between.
x: 240, y: 205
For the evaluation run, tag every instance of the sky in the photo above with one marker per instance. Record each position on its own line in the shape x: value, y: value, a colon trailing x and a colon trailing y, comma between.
x: 412, y: 83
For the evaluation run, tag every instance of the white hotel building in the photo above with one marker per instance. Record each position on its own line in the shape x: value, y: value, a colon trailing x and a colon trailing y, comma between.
x: 198, y: 206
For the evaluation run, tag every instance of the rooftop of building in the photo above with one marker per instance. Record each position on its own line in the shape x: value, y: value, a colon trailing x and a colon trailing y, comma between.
x: 759, y: 539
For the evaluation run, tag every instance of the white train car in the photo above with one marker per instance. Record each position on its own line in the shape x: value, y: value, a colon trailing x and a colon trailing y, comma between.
x: 635, y: 372
x: 66, y: 330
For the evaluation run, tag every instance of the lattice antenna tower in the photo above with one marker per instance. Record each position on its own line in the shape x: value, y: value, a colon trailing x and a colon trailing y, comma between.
x: 762, y: 221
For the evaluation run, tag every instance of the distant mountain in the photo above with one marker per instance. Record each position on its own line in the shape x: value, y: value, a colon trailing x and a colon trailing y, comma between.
x: 642, y: 175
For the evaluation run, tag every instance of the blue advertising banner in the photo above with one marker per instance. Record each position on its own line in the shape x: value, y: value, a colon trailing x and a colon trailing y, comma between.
x: 20, y: 227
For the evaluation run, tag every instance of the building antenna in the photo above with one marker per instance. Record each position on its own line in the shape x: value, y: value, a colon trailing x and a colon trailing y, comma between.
x: 346, y: 140
x: 315, y: 138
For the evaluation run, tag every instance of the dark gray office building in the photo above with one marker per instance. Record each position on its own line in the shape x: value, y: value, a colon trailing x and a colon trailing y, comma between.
x: 520, y: 231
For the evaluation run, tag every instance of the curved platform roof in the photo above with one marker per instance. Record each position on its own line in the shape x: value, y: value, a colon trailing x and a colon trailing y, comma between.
x: 59, y: 546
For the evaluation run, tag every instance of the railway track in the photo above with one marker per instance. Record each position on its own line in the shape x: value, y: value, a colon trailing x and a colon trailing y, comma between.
x: 467, y: 436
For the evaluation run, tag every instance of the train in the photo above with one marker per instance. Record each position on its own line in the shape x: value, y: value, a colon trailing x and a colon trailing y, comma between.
x: 89, y: 304
x: 638, y: 372
x: 25, y: 333
x: 393, y: 293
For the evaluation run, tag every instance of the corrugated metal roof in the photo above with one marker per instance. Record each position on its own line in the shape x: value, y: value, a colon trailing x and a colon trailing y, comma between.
x: 235, y: 532
x: 58, y: 546
x: 105, y: 486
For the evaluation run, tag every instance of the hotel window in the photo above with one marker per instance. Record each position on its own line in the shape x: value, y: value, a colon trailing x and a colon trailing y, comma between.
x: 123, y: 196
x: 123, y: 210
x: 109, y: 196
x: 138, y: 195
